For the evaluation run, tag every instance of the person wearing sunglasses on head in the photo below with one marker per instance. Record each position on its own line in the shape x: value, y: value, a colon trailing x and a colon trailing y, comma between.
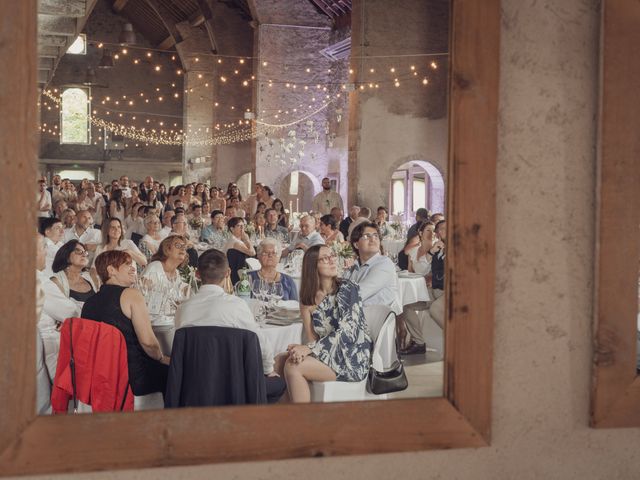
x: 333, y: 322
x: 70, y: 272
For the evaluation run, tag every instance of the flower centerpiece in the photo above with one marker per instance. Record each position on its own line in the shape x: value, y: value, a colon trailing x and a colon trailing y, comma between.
x: 250, y: 229
x: 188, y: 275
x: 344, y: 252
x: 243, y: 287
x: 196, y: 223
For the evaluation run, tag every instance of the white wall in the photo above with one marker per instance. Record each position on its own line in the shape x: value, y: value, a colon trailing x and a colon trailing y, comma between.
x: 544, y: 287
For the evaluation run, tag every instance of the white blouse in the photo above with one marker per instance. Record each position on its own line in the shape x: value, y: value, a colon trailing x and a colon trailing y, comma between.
x: 422, y: 265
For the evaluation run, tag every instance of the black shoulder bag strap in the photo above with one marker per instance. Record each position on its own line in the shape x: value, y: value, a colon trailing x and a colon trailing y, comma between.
x: 72, y: 365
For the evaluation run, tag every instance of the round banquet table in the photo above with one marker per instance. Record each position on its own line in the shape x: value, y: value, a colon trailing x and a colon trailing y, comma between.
x: 412, y: 290
x: 282, y: 336
x: 392, y: 246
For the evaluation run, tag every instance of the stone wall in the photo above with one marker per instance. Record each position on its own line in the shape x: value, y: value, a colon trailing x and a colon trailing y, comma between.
x: 401, y: 118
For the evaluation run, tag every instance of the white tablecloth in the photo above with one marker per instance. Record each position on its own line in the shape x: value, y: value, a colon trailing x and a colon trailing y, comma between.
x: 412, y: 290
x: 281, y: 337
x: 392, y: 246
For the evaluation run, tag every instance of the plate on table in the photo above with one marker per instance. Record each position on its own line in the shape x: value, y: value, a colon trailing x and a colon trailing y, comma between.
x: 406, y: 274
x: 288, y: 305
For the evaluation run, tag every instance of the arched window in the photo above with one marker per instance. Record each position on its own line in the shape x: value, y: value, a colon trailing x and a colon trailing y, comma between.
x: 74, y: 116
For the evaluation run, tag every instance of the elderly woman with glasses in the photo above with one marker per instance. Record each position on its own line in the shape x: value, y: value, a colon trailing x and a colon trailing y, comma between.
x: 333, y: 322
x: 268, y: 255
x: 70, y: 272
x: 161, y: 283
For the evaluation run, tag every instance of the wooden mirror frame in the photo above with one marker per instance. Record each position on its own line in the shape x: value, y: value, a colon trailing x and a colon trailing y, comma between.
x: 616, y: 386
x: 31, y: 444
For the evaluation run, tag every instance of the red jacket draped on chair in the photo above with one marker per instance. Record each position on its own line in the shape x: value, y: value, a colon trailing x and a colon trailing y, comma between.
x: 102, y: 377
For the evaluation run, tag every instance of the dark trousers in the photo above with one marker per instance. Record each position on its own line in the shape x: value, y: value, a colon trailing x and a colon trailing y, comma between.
x: 275, y: 388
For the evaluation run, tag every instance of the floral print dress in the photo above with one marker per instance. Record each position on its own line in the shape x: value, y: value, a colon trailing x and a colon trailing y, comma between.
x: 345, y: 343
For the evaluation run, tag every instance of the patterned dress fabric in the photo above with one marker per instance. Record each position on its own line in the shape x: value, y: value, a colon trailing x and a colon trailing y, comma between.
x: 345, y: 343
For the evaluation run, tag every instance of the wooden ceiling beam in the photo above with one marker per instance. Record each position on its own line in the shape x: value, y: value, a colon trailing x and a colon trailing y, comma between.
x: 167, y: 43
x: 322, y: 7
x: 167, y: 20
x: 208, y: 23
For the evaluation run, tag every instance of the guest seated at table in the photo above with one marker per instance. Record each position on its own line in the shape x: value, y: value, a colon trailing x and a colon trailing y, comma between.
x: 412, y: 241
x: 333, y: 320
x: 437, y: 217
x: 346, y: 223
x: 259, y: 222
x: 179, y: 227
x: 283, y: 216
x: 422, y: 215
x: 211, y: 306
x: 151, y: 241
x: 381, y: 220
x: 238, y: 238
x: 409, y: 322
x: 215, y: 234
x: 53, y: 232
x: 307, y: 236
x: 329, y: 230
x: 374, y: 273
x: 235, y: 203
x: 274, y: 230
x: 161, y: 284
x: 70, y: 272
x: 68, y: 218
x: 113, y: 239
x: 336, y: 212
x: 119, y: 304
x: 268, y: 255
x: 363, y: 217
x: 238, y: 247
x: 84, y: 232
x: 419, y: 256
x: 438, y: 256
x: 55, y: 309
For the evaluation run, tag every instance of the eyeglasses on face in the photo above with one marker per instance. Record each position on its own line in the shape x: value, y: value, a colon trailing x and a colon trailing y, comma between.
x: 80, y: 251
x: 328, y: 258
x: 269, y: 254
x: 180, y: 246
x: 370, y: 236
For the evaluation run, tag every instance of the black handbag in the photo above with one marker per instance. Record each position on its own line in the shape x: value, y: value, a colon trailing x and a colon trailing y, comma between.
x: 393, y: 380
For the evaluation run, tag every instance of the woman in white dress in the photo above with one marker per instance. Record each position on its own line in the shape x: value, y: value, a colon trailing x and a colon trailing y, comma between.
x: 151, y: 241
x: 113, y: 239
x: 161, y: 284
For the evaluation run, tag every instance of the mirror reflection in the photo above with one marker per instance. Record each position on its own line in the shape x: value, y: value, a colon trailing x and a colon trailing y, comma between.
x: 241, y: 202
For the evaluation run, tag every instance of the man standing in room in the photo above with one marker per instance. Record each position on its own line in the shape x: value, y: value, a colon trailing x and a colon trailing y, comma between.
x: 145, y: 188
x: 346, y: 223
x: 43, y: 198
x: 212, y: 307
x: 56, y: 188
x: 124, y: 186
x: 326, y: 199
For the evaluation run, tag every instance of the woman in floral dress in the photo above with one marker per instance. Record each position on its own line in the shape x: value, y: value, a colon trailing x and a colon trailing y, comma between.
x: 339, y: 345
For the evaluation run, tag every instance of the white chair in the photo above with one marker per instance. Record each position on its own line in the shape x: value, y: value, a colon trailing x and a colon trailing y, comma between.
x: 253, y: 263
x: 152, y: 401
x: 43, y: 384
x: 382, y: 328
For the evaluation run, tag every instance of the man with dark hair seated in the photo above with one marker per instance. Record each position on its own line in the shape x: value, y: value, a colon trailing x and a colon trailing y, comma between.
x: 212, y: 307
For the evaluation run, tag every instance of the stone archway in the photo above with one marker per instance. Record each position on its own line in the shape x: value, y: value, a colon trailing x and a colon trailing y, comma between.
x: 308, y: 186
x: 415, y: 177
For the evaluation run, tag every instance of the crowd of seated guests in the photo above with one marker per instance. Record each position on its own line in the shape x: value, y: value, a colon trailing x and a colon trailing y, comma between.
x: 123, y: 245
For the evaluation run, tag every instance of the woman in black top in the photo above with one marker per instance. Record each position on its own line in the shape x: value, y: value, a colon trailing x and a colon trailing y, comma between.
x: 70, y: 272
x: 122, y: 306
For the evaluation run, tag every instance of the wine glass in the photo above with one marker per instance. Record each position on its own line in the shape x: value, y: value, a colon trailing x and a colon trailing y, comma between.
x: 277, y: 293
x: 257, y: 289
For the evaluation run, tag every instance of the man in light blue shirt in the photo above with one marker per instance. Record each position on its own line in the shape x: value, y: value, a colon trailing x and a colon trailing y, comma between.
x: 307, y: 236
x: 373, y: 272
x: 215, y: 234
